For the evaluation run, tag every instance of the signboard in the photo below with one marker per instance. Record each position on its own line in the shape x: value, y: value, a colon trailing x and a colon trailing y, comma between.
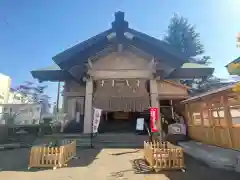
x: 154, y: 119
x: 177, y: 128
x: 96, y: 120
x: 140, y: 124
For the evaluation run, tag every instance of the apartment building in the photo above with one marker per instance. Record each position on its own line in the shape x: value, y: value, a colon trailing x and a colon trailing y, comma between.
x: 5, y: 83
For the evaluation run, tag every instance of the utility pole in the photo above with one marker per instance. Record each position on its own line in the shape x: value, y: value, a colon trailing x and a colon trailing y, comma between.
x: 58, y: 95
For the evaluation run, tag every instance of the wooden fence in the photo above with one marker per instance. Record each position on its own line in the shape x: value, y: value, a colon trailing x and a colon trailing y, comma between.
x: 160, y: 157
x: 215, y: 118
x: 218, y: 136
x: 54, y: 157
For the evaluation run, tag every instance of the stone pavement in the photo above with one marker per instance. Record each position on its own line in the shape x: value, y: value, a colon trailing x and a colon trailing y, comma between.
x: 104, y: 164
x: 215, y: 157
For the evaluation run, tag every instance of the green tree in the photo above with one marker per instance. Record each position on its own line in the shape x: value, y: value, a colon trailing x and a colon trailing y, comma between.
x: 182, y: 36
x: 34, y: 93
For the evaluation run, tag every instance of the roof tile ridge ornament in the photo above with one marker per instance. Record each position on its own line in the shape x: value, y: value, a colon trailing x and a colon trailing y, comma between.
x: 119, y: 25
x: 119, y: 20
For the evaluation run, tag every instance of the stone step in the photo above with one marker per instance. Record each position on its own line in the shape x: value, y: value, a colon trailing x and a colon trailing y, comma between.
x: 117, y: 145
x: 68, y: 136
x: 122, y: 137
x: 110, y: 144
x: 108, y: 140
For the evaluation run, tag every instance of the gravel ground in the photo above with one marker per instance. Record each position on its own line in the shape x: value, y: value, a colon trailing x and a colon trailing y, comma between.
x: 104, y: 164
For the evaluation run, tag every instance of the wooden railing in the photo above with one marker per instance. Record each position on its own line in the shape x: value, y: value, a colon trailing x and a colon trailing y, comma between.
x: 163, y: 156
x: 54, y: 157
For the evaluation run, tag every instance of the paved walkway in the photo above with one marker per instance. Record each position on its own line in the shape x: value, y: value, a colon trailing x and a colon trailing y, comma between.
x: 213, y: 156
x: 104, y: 164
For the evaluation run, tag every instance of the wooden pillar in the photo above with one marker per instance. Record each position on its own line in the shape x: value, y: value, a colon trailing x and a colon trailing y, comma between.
x: 204, y: 133
x: 155, y: 103
x: 187, y: 116
x: 188, y: 119
x: 211, y: 121
x: 88, y: 107
x: 228, y: 119
x: 65, y: 98
x: 171, y: 103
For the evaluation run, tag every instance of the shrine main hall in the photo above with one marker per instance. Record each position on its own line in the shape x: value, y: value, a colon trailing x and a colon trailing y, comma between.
x: 123, y: 72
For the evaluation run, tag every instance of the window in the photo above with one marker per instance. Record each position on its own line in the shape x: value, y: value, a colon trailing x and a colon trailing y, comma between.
x: 206, y: 121
x: 196, y: 118
x: 235, y: 113
x: 196, y: 115
x: 218, y: 116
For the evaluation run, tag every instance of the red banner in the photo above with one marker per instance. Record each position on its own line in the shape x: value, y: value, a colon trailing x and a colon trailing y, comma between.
x: 154, y: 119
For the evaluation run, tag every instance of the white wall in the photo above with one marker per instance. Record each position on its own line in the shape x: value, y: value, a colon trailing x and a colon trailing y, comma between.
x: 5, y: 83
x: 26, y: 113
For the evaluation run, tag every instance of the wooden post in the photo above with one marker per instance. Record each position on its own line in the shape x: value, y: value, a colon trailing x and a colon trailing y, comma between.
x: 188, y: 120
x: 156, y: 104
x: 211, y: 121
x: 172, y: 108
x: 228, y: 119
x: 203, y: 133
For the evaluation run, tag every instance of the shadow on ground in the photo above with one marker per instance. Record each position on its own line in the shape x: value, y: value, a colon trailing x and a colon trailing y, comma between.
x: 117, y: 160
x: 194, y: 170
x: 18, y: 159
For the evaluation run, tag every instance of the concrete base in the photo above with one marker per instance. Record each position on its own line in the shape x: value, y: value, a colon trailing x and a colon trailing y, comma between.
x: 213, y: 156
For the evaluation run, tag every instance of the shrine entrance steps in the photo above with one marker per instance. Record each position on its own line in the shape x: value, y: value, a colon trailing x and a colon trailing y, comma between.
x: 105, y: 140
x: 120, y: 140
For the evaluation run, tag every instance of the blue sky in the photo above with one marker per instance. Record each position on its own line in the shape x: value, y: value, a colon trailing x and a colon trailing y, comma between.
x: 33, y: 31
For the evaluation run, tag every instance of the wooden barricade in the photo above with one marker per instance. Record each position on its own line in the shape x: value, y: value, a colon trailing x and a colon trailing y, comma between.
x: 54, y: 157
x: 160, y: 157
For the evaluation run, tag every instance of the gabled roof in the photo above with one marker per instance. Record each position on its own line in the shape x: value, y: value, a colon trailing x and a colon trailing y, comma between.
x: 50, y: 73
x: 233, y: 71
x: 70, y: 52
x: 237, y: 60
x: 177, y: 84
x: 211, y: 92
x: 72, y: 61
x: 191, y: 70
x: 166, y: 48
x: 121, y: 34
